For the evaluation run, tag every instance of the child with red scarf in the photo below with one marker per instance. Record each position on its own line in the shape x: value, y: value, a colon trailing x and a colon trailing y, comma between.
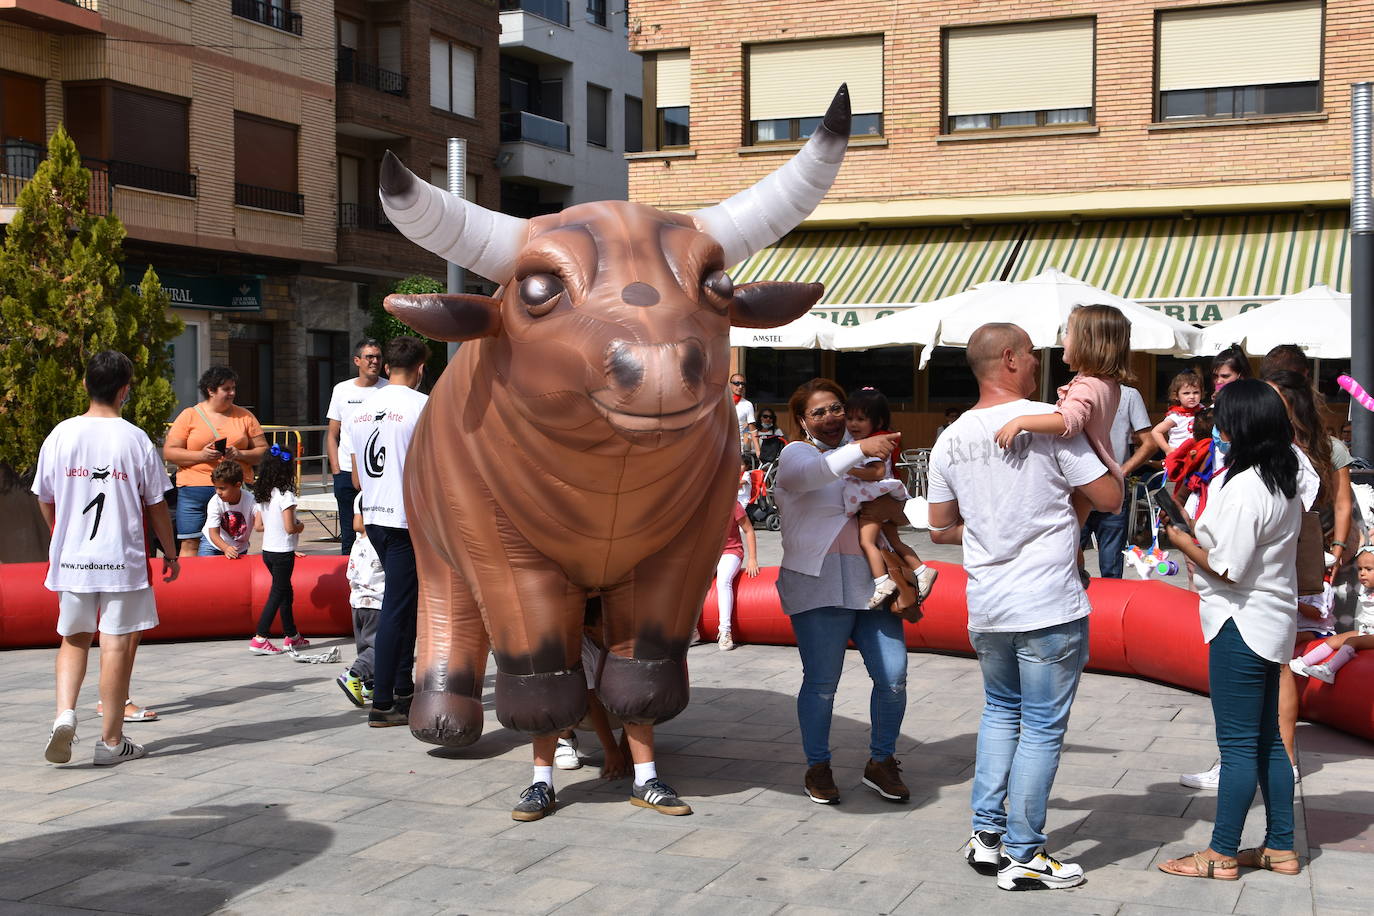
x: 1185, y: 396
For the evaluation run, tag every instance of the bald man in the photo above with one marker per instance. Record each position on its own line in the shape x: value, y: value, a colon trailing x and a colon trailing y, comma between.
x: 1027, y: 611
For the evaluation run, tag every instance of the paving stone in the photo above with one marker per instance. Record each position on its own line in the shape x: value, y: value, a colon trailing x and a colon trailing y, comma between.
x: 507, y: 854
x: 447, y: 887
x: 20, y: 878
x: 813, y: 887
x: 141, y: 893
x: 985, y: 898
x: 298, y: 870
x: 36, y: 808
x: 803, y: 852
x: 582, y: 863
x: 292, y: 901
x: 276, y: 832
x: 1265, y: 894
x: 618, y: 900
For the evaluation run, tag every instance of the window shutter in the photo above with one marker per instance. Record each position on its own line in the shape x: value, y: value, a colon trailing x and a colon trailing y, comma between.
x: 350, y: 168
x: 673, y: 71
x: 150, y: 130
x: 347, y: 33
x: 798, y: 79
x: 1251, y: 45
x: 1023, y: 66
x: 389, y: 48
x: 265, y: 154
x: 438, y: 73
x: 464, y: 82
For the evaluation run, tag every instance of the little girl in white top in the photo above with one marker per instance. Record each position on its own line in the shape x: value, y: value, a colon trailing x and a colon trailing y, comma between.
x: 275, y: 490
x: 1323, y: 659
x: 1185, y: 398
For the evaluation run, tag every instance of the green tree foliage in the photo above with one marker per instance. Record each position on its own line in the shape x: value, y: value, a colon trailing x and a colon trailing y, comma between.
x: 63, y: 299
x: 384, y: 326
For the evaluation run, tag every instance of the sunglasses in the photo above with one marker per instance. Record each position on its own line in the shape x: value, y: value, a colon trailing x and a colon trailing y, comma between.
x: 738, y: 384
x: 834, y: 410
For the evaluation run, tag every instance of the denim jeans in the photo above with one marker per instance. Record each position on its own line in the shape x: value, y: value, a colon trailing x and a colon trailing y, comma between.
x: 822, y: 634
x: 1111, y: 540
x: 1029, y: 682
x: 394, y: 649
x: 1245, y: 704
x: 344, y: 495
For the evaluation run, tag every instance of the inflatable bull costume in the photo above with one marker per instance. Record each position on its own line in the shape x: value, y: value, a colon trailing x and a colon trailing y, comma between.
x: 583, y: 442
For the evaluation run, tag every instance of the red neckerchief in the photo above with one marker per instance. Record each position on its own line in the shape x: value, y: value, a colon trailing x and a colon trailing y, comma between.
x: 737, y: 397
x: 1185, y: 411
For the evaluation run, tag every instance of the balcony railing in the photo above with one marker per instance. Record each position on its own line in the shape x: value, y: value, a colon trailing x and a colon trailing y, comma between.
x: 93, y: 5
x: 533, y: 128
x: 364, y: 216
x: 276, y: 16
x: 19, y: 161
x: 552, y: 10
x: 247, y: 195
x: 351, y: 70
x: 133, y: 175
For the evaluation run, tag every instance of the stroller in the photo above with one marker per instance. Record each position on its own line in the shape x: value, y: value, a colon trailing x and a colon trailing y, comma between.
x: 761, y: 508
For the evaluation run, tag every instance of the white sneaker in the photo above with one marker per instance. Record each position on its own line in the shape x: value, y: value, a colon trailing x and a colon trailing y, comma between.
x: 1297, y: 777
x: 1042, y: 871
x: 1208, y: 780
x: 565, y: 756
x: 881, y: 592
x: 925, y: 582
x: 1322, y: 673
x: 106, y: 756
x: 724, y: 642
x: 63, y: 735
x: 1299, y: 667
x: 984, y: 851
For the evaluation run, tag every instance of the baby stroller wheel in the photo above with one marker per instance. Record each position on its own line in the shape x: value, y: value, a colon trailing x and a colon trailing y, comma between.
x: 773, y: 522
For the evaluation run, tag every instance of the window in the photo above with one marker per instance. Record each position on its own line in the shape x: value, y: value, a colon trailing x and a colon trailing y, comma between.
x: 21, y: 109
x: 144, y: 137
x: 438, y: 176
x: 1240, y: 61
x: 452, y: 77
x: 265, y: 164
x: 791, y: 84
x: 598, y: 105
x: 672, y: 79
x: 596, y: 12
x: 634, y: 124
x: 1019, y: 75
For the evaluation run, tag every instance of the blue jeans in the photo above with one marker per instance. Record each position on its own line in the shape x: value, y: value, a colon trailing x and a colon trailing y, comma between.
x: 394, y: 649
x: 344, y: 495
x: 1111, y: 540
x: 191, y: 503
x: 1245, y: 704
x: 822, y: 634
x: 1029, y: 682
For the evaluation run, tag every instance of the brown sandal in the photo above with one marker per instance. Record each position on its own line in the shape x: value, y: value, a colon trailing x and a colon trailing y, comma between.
x: 1203, y: 867
x: 1255, y: 858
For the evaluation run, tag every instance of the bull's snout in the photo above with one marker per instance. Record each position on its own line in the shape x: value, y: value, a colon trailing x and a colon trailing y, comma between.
x: 648, y: 379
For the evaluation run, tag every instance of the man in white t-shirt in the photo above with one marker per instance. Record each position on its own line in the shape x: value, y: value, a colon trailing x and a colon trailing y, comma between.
x: 348, y: 396
x: 1132, y: 445
x: 379, y: 435
x: 744, y: 414
x: 97, y: 476
x: 1027, y: 612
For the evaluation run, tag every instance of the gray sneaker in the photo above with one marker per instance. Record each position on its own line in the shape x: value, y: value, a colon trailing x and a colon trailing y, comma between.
x: 61, y: 738
x: 106, y: 756
x: 535, y: 802
x: 659, y: 796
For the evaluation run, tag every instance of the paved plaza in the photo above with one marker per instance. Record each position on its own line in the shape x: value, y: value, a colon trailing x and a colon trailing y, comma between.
x: 264, y: 792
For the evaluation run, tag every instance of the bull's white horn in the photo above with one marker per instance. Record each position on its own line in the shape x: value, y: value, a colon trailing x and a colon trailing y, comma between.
x: 760, y: 215
x: 470, y: 236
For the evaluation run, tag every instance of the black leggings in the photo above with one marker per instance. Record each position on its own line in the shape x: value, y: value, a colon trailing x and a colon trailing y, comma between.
x: 281, y: 565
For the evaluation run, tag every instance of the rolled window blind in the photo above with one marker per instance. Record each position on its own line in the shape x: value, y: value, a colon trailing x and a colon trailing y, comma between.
x: 1023, y: 66
x: 673, y: 72
x: 150, y: 130
x: 1249, y: 45
x: 798, y: 79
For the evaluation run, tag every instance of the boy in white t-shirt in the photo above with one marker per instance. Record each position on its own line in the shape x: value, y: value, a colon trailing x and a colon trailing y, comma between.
x: 367, y: 584
x: 96, y: 478
x: 229, y: 514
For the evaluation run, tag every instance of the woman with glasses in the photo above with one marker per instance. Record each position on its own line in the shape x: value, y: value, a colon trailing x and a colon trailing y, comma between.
x: 771, y: 438
x: 824, y: 586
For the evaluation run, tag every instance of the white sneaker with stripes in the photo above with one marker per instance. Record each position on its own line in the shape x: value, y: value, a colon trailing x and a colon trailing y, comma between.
x: 106, y: 756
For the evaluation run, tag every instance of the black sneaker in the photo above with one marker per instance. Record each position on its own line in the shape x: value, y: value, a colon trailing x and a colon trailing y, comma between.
x: 378, y: 717
x: 403, y: 701
x: 1042, y: 872
x: 535, y: 802
x: 659, y: 796
x: 984, y: 851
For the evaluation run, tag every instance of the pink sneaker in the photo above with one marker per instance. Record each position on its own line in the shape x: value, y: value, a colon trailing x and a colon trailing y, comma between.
x: 259, y: 645
x: 293, y: 643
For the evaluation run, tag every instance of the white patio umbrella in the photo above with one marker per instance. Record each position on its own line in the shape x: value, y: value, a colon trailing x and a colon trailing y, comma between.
x: 806, y: 333
x: 1316, y: 319
x: 918, y: 324
x: 1041, y: 306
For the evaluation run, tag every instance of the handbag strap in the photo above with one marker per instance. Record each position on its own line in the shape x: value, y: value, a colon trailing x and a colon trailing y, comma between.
x: 214, y: 432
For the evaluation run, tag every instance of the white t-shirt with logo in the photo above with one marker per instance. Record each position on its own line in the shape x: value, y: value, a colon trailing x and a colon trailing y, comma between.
x: 380, y: 436
x: 99, y: 473
x: 274, y: 534
x: 233, y: 520
x: 1020, y: 531
x: 744, y: 415
x: 347, y: 396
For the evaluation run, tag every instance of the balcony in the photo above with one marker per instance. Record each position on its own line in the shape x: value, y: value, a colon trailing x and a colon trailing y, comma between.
x: 147, y: 178
x: 528, y: 127
x: 19, y: 161
x: 364, y: 216
x: 349, y: 69
x: 552, y: 10
x: 63, y: 16
x: 278, y: 17
x: 247, y: 195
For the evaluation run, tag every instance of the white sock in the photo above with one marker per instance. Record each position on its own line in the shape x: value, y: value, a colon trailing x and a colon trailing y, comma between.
x: 920, y: 569
x: 543, y: 774
x: 881, y: 579
x: 645, y: 772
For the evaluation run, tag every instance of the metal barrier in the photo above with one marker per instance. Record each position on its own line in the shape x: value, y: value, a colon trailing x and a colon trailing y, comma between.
x: 293, y: 439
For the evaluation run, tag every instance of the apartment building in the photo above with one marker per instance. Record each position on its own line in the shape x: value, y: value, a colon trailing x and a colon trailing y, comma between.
x: 1191, y: 155
x: 570, y: 97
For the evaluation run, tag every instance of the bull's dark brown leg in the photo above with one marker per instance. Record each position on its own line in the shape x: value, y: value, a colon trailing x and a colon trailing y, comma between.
x: 450, y: 657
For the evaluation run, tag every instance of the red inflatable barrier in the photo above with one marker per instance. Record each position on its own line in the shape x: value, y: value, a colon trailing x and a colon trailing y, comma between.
x: 213, y: 597
x: 1145, y: 629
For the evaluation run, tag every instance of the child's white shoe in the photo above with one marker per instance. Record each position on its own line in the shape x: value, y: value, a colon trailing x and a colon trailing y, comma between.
x: 1299, y: 667
x: 1322, y: 673
x: 925, y: 582
x: 883, y: 589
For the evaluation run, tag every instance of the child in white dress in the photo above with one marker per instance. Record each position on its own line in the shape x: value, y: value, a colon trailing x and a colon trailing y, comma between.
x: 1323, y: 659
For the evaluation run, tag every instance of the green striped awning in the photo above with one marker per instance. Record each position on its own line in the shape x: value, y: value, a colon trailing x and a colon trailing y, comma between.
x: 1254, y: 254
x: 883, y: 266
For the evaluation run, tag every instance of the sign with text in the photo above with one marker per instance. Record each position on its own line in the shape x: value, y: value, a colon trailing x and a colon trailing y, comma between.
x: 233, y: 293
x: 1200, y: 312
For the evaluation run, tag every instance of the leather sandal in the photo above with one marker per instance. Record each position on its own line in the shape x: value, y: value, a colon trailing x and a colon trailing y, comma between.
x: 1255, y: 858
x: 1203, y: 867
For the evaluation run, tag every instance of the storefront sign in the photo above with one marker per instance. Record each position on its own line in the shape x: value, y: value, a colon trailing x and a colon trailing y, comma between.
x: 1201, y: 312
x: 237, y: 293
x: 849, y: 317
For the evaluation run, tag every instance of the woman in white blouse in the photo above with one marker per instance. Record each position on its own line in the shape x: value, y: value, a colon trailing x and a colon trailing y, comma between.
x: 1246, y: 556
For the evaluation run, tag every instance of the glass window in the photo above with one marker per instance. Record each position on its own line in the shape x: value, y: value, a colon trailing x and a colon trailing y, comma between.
x: 598, y: 101
x: 892, y: 370
x: 634, y: 124
x: 950, y: 380
x: 672, y: 126
x: 1017, y: 119
x: 452, y: 77
x: 774, y: 374
x: 970, y: 122
x: 1239, y: 101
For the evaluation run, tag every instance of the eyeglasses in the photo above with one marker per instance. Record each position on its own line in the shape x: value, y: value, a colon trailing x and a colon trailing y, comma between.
x: 372, y: 358
x: 834, y: 410
x: 739, y: 384
x: 767, y: 416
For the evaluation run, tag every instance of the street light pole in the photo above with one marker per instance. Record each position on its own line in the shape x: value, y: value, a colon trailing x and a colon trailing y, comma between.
x: 457, y: 176
x: 1361, y: 262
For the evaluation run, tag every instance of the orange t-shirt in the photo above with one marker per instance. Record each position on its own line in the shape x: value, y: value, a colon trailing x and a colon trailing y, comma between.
x: 240, y: 428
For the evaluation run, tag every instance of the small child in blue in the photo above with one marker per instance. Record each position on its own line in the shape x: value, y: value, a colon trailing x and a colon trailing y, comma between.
x: 275, y: 491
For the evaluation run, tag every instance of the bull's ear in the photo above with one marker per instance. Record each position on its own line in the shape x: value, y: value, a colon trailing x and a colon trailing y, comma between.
x: 447, y: 316
x: 771, y: 304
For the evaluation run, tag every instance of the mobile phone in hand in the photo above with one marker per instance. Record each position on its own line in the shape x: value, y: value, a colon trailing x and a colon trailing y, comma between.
x: 221, y: 445
x: 1177, y: 517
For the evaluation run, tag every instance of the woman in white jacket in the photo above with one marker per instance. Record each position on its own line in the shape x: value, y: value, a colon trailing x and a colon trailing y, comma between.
x: 825, y: 586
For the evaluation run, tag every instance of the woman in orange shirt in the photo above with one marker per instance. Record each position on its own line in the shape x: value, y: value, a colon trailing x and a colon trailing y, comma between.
x: 191, y: 445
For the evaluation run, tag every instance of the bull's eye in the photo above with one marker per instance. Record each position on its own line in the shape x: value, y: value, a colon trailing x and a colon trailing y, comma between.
x: 719, y: 283
x: 540, y: 293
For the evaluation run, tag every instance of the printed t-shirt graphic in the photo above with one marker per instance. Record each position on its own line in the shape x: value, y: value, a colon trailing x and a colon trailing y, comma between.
x: 343, y: 404
x: 380, y: 435
x: 99, y: 473
x: 234, y: 520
